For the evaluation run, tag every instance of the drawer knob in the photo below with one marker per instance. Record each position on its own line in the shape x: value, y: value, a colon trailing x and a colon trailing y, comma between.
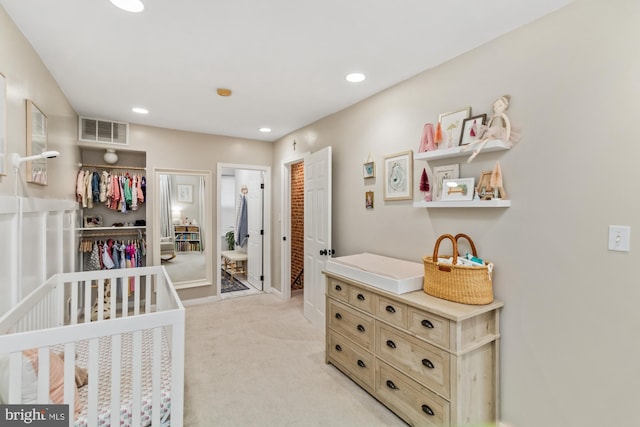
x: 427, y: 363
x: 361, y: 328
x: 361, y: 297
x: 338, y: 316
x: 361, y: 364
x: 391, y: 344
x: 390, y: 309
x: 391, y: 385
x: 338, y: 288
x: 427, y: 410
x: 427, y: 324
x: 338, y: 347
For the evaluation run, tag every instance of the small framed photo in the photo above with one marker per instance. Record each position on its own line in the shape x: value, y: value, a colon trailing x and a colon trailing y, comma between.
x: 484, y: 190
x: 369, y: 170
x: 440, y: 173
x: 185, y: 193
x: 451, y: 126
x: 368, y: 200
x: 92, y: 221
x: 398, y: 176
x: 457, y: 189
x: 471, y: 129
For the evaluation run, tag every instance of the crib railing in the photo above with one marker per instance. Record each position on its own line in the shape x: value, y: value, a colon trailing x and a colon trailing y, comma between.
x: 43, y: 320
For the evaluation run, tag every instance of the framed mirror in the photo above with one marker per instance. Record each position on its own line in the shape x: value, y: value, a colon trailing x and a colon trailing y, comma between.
x: 36, y: 144
x: 3, y: 124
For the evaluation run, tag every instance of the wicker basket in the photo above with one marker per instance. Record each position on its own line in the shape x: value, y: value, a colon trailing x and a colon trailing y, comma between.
x: 467, y: 285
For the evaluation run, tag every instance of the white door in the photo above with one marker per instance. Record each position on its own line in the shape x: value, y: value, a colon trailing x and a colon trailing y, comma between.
x: 256, y: 229
x: 317, y: 232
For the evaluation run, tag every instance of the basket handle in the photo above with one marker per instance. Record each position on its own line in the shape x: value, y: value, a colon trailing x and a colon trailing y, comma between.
x: 473, y: 246
x: 437, y: 246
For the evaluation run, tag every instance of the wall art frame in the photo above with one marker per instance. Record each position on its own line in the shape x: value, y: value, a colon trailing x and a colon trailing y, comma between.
x: 440, y: 173
x: 398, y: 176
x: 471, y: 129
x: 461, y: 189
x: 368, y: 200
x: 369, y: 170
x: 185, y: 193
x: 36, y: 143
x: 451, y: 126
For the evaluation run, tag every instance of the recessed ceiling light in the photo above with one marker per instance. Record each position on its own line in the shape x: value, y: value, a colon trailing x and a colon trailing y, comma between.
x: 355, y: 77
x: 140, y: 110
x: 129, y: 5
x: 265, y: 130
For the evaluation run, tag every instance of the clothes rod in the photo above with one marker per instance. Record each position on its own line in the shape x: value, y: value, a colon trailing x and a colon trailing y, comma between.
x: 113, y: 234
x: 88, y: 165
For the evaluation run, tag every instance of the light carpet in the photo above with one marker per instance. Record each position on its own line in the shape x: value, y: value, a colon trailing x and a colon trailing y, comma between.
x: 256, y: 361
x: 186, y: 267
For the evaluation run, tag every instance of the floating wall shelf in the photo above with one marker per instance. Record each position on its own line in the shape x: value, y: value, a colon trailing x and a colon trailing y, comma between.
x: 493, y: 145
x: 497, y: 203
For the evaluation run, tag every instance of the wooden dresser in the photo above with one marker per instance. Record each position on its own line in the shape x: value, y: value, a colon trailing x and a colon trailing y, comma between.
x: 432, y: 362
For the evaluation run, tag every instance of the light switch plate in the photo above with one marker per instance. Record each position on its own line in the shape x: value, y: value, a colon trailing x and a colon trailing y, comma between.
x: 619, y: 238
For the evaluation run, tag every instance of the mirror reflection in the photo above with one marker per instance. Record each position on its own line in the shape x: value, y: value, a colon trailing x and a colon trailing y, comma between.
x: 182, y: 227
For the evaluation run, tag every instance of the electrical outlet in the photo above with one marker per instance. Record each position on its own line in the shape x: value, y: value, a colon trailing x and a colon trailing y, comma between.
x: 619, y: 238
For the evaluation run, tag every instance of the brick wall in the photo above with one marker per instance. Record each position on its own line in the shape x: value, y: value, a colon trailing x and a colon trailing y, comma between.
x: 297, y: 222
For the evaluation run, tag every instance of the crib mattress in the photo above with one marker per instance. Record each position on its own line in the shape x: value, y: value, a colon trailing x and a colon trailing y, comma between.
x: 126, y: 383
x: 389, y: 274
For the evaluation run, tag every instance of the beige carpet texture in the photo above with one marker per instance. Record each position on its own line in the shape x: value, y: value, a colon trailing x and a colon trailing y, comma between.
x: 256, y: 361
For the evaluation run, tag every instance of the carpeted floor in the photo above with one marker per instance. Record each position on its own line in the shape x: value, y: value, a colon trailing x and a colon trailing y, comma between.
x: 256, y: 361
x: 186, y: 267
x: 230, y: 284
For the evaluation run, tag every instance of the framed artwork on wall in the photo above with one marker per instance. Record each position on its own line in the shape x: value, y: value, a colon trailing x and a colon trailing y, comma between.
x: 471, y: 129
x: 368, y: 200
x: 36, y: 143
x: 369, y: 170
x: 3, y: 123
x: 185, y: 193
x: 398, y: 176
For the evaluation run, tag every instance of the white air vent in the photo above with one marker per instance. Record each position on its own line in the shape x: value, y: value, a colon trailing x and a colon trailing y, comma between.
x: 103, y: 131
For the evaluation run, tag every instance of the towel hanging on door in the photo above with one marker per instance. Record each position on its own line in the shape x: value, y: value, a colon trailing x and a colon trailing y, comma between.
x: 242, y: 228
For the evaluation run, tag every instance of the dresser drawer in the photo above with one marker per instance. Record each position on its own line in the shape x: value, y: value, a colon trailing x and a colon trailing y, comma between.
x: 427, y: 325
x: 362, y: 299
x: 352, y: 324
x: 357, y: 361
x: 338, y: 289
x: 392, y: 312
x: 412, y: 402
x: 421, y: 361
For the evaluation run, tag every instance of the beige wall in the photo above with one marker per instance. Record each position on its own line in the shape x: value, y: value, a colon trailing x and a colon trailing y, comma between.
x: 28, y: 78
x: 569, y: 354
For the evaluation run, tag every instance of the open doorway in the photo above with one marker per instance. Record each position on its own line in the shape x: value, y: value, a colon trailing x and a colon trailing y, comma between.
x: 243, y: 230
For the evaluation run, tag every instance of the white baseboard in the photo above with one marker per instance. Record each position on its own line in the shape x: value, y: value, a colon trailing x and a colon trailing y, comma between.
x: 198, y: 301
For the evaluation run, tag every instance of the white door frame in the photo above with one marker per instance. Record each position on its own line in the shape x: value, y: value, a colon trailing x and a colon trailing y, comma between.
x: 266, y: 251
x: 285, y: 225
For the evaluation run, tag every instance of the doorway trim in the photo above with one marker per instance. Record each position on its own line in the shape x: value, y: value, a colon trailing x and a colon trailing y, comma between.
x: 285, y: 248
x: 266, y: 218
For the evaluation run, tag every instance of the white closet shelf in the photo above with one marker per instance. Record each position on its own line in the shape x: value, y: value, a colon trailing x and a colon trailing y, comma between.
x: 497, y: 203
x: 493, y: 145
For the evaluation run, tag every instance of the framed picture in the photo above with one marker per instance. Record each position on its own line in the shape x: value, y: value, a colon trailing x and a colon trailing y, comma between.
x: 457, y: 189
x: 369, y: 170
x: 483, y: 188
x: 451, y: 125
x: 471, y: 129
x: 36, y: 143
x: 185, y: 193
x: 440, y: 173
x: 3, y: 123
x: 398, y: 176
x: 368, y: 200
x: 92, y: 221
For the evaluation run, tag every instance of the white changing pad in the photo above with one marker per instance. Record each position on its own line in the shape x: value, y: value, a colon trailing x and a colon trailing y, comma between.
x: 390, y: 274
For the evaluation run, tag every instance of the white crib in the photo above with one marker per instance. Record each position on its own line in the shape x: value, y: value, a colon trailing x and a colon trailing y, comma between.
x: 134, y: 359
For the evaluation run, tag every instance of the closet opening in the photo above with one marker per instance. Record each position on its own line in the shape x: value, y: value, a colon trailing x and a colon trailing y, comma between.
x: 243, y: 235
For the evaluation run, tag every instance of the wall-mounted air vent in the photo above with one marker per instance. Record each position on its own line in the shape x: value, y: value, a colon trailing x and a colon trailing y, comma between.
x: 103, y: 131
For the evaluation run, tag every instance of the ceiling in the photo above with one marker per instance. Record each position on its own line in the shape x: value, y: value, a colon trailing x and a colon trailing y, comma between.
x: 284, y: 60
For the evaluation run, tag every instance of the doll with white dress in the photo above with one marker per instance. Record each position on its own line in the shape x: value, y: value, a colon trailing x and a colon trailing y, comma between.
x: 498, y: 127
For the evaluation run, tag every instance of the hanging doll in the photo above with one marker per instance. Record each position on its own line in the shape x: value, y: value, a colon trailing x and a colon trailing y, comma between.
x: 498, y: 127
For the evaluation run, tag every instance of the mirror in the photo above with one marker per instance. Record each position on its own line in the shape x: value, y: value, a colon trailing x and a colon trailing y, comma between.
x: 36, y: 144
x: 3, y: 123
x: 183, y: 234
